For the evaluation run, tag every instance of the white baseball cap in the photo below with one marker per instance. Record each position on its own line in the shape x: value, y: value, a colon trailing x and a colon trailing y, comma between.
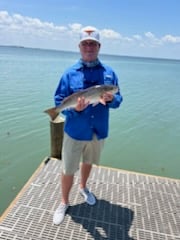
x: 89, y: 33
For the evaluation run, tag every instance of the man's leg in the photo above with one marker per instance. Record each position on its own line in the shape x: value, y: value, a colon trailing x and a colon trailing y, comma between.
x: 85, y: 172
x: 66, y: 185
x: 91, y: 155
x: 70, y: 162
x: 71, y: 153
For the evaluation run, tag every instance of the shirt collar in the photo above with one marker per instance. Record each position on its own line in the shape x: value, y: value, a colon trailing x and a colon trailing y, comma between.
x: 79, y: 65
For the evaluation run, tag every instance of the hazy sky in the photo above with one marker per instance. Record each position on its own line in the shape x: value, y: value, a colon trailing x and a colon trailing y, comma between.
x: 149, y: 28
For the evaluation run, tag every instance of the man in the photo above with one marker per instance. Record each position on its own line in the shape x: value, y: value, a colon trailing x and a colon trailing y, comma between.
x: 86, y: 126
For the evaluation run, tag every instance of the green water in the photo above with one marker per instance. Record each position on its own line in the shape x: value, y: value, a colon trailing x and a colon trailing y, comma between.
x: 144, y: 133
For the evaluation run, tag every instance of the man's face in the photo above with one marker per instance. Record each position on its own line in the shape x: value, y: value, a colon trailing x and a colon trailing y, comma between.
x: 89, y: 50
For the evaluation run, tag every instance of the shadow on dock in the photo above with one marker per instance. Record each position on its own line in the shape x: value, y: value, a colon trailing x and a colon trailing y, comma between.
x: 96, y: 219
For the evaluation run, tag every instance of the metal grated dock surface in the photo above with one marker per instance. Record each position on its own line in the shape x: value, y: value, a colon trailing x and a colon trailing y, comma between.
x: 129, y: 206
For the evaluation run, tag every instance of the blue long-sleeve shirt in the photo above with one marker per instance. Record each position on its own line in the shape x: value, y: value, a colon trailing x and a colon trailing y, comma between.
x: 94, y: 119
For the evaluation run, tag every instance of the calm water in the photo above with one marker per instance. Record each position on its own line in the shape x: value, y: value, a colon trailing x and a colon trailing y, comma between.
x: 144, y: 132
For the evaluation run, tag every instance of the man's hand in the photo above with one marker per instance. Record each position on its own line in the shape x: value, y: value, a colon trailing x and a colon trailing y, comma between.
x: 81, y: 104
x: 107, y: 97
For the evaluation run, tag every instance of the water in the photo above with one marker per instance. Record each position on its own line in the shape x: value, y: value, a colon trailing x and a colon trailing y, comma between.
x: 144, y: 132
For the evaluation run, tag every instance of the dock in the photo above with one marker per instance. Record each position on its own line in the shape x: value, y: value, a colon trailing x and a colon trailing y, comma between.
x: 130, y: 206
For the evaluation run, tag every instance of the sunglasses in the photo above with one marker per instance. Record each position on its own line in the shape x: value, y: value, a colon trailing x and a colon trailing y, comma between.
x: 89, y: 44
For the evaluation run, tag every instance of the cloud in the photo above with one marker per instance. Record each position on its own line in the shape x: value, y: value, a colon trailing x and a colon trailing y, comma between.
x: 27, y: 24
x: 171, y: 39
x: 5, y: 18
x: 137, y: 37
x: 149, y: 35
x: 32, y: 32
x: 75, y: 27
x: 110, y: 34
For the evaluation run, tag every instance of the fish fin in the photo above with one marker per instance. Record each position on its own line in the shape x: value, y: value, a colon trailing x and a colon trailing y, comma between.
x: 102, y: 101
x: 52, y: 113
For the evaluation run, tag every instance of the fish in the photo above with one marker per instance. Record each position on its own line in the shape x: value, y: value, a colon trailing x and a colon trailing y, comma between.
x: 92, y: 94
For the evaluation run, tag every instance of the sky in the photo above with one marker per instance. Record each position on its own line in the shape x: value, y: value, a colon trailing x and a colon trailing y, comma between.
x: 146, y: 28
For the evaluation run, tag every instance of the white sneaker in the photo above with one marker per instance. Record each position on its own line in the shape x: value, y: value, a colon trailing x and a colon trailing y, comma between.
x: 59, y: 214
x: 88, y: 196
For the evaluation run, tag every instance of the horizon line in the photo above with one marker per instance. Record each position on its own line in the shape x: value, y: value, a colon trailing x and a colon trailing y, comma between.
x: 76, y: 52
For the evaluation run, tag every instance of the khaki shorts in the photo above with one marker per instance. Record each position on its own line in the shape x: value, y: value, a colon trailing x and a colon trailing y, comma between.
x: 73, y: 150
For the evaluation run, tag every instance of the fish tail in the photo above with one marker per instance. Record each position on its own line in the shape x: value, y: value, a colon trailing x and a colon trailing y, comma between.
x: 52, y: 113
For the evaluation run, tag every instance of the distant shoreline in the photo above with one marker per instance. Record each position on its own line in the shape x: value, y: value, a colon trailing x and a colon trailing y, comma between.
x: 103, y: 54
